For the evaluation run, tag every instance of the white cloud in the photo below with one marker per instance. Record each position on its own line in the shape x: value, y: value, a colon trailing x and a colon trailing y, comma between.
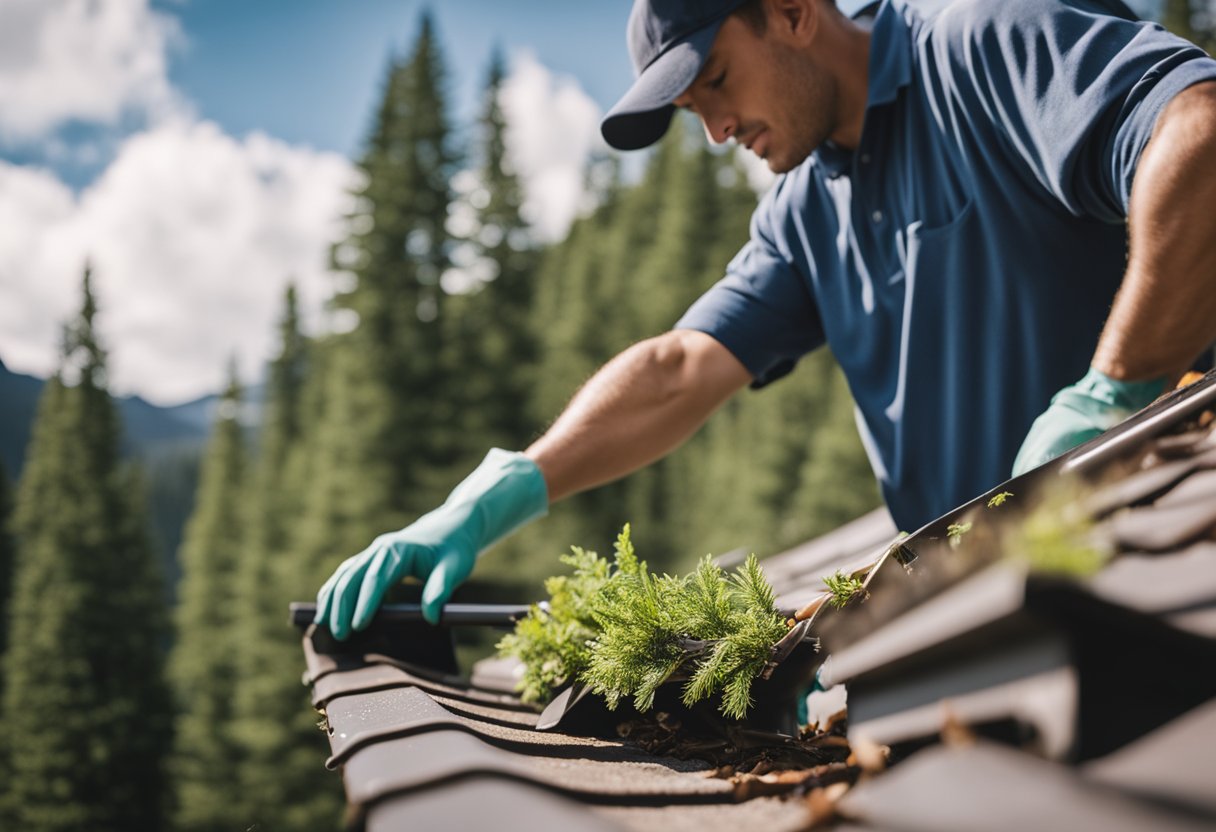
x: 552, y: 130
x: 34, y: 210
x: 94, y: 61
x: 192, y: 235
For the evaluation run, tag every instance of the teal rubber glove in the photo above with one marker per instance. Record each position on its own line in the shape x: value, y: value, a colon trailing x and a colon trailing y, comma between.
x: 816, y: 685
x: 506, y: 491
x: 1080, y: 412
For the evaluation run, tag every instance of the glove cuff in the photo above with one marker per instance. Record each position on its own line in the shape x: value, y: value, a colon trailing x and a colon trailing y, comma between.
x: 1129, y: 396
x: 506, y: 491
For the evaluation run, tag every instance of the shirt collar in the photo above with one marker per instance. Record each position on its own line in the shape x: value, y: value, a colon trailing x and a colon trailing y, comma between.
x: 890, y: 55
x: 890, y: 71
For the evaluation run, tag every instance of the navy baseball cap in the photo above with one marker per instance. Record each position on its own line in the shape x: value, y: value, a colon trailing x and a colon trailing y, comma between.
x: 668, y: 42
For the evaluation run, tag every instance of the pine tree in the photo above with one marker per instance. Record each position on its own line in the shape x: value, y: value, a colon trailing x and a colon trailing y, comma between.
x: 281, y: 785
x: 768, y: 470
x: 493, y: 349
x: 202, y: 666
x: 836, y: 482
x: 386, y: 441
x: 86, y: 702
x: 1194, y: 20
x: 623, y: 274
x: 7, y: 557
x: 672, y: 271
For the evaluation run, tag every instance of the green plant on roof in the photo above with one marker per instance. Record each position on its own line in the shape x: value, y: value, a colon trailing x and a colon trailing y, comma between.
x: 844, y: 588
x: 553, y: 643
x: 955, y: 532
x: 637, y: 629
x: 999, y: 499
x: 1054, y: 542
x: 1057, y: 536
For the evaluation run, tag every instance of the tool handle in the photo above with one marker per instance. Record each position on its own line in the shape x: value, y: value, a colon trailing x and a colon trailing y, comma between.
x: 453, y: 615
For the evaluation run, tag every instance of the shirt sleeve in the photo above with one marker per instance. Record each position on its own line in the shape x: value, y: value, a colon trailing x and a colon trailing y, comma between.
x: 762, y: 310
x: 1074, y: 89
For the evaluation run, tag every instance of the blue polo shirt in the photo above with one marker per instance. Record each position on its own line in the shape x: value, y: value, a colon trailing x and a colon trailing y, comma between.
x: 962, y: 261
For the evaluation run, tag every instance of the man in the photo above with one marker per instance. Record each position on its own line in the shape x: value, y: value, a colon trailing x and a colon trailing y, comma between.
x: 962, y: 181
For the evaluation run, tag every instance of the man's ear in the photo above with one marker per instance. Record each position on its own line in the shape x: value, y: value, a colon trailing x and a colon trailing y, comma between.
x: 796, y: 19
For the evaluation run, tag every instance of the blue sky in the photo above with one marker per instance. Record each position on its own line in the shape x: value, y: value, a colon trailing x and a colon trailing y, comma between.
x: 197, y: 153
x: 308, y: 71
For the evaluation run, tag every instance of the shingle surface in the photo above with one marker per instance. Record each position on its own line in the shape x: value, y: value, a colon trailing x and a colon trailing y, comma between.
x: 996, y: 789
x: 958, y: 642
x: 1176, y: 763
x: 485, y: 803
x: 410, y: 764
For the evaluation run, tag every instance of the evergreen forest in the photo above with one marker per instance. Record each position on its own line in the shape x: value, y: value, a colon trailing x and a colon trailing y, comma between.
x: 127, y: 711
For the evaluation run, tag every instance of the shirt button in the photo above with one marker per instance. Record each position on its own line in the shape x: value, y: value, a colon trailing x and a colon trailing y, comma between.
x: 865, y: 158
x: 876, y: 216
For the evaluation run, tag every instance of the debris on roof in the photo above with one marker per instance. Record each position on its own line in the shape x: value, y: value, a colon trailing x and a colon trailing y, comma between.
x: 1048, y: 667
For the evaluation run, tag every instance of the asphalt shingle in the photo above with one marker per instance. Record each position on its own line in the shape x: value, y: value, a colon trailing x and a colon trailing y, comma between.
x: 1100, y: 688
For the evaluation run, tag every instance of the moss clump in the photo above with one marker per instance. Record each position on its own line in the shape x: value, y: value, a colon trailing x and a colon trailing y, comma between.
x: 999, y: 499
x: 955, y: 532
x: 1052, y: 543
x: 843, y: 588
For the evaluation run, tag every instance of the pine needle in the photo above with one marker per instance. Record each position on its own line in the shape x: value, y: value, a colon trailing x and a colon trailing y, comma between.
x: 624, y: 631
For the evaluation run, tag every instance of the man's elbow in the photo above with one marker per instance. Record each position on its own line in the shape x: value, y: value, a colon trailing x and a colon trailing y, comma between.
x: 686, y: 364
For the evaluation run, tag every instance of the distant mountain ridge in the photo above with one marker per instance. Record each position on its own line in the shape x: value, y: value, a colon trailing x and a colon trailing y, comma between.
x: 168, y: 442
x: 147, y: 428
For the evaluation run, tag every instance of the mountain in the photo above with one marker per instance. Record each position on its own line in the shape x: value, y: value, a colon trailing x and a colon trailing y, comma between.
x: 18, y: 403
x: 148, y: 430
x: 167, y: 441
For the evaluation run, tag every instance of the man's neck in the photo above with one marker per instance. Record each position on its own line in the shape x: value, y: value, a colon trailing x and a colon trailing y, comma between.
x: 850, y: 43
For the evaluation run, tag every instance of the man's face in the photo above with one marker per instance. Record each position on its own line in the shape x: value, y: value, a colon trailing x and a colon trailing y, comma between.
x: 758, y: 90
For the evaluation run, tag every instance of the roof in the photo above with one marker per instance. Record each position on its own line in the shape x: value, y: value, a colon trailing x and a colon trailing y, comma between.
x: 988, y: 681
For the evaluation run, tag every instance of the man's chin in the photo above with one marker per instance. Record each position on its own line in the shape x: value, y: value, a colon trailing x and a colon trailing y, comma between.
x: 784, y: 162
x: 781, y: 164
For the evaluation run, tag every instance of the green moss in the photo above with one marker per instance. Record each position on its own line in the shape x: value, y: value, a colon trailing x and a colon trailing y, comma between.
x: 1051, y: 543
x: 844, y: 588
x: 999, y: 499
x: 955, y: 532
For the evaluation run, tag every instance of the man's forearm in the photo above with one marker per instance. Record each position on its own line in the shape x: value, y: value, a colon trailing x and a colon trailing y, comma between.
x: 1165, y: 312
x: 638, y: 408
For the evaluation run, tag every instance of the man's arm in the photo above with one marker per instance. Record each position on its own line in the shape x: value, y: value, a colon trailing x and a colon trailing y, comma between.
x: 1165, y: 312
x: 638, y: 408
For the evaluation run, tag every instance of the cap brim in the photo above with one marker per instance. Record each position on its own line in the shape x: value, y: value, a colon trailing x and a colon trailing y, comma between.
x: 643, y: 114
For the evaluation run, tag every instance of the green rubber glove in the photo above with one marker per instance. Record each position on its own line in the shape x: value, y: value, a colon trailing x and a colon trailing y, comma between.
x: 1080, y: 412
x: 506, y: 491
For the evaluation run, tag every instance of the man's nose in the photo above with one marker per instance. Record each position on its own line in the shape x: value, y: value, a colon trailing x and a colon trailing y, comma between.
x: 719, y: 128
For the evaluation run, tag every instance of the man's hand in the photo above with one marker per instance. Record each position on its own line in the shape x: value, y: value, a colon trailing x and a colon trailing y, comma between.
x: 1080, y: 412
x: 506, y: 491
x: 636, y: 409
